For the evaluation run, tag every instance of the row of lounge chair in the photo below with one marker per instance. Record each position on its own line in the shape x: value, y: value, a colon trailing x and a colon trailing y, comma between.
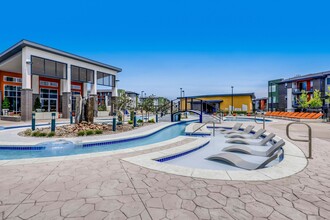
x: 248, y: 143
x: 294, y: 115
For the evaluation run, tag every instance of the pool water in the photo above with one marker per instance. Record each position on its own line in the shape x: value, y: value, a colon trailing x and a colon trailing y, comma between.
x: 162, y: 135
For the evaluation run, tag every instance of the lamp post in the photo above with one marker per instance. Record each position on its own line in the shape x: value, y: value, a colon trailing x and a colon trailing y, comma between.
x: 180, y: 92
x: 271, y: 95
x: 232, y: 99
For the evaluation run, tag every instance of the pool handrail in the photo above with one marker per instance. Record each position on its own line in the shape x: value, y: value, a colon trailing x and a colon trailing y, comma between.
x: 309, y: 140
x: 203, y: 126
x: 263, y: 121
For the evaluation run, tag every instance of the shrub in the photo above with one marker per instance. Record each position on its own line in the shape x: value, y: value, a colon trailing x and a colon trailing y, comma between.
x: 81, y: 133
x: 35, y: 133
x: 42, y: 134
x: 151, y: 120
x: 89, y: 132
x: 6, y: 103
x: 102, y: 108
x: 139, y: 121
x: 37, y: 104
x: 130, y: 122
x: 28, y: 132
x: 98, y: 131
x: 51, y: 134
x: 131, y: 115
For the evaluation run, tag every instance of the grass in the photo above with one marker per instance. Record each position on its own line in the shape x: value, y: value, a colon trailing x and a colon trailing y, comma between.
x: 51, y: 134
x: 98, y: 131
x: 81, y: 133
x: 89, y: 132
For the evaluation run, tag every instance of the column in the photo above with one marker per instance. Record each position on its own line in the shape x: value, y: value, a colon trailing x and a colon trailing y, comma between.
x: 114, y: 94
x: 26, y: 92
x: 66, y: 94
x: 94, y: 93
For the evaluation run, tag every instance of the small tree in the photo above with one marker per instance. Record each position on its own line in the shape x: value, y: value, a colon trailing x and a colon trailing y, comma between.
x: 327, y: 94
x: 303, y: 100
x: 148, y: 105
x: 316, y: 101
x: 6, y: 103
x: 37, y: 104
x: 122, y: 102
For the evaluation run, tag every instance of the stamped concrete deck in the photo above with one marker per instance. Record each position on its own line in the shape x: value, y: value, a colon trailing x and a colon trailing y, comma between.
x: 110, y: 188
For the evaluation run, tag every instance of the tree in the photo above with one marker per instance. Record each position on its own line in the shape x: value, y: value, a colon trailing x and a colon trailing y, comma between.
x: 316, y: 101
x: 303, y: 100
x: 327, y: 94
x: 37, y: 104
x: 122, y: 103
x: 6, y: 103
x: 148, y: 105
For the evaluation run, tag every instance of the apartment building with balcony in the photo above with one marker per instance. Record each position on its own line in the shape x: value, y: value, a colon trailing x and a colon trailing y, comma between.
x: 289, y: 90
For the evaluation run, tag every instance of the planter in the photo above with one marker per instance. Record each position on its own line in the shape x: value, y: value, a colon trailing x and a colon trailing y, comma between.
x: 5, y: 111
x: 45, y: 115
x: 102, y: 113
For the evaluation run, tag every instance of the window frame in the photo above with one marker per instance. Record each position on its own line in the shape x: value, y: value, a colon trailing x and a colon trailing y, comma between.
x: 56, y: 76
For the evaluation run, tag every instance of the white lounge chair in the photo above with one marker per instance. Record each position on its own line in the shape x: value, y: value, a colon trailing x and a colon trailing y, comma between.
x: 247, y: 136
x: 246, y: 130
x: 261, y: 142
x: 236, y: 127
x: 236, y: 160
x: 255, y: 150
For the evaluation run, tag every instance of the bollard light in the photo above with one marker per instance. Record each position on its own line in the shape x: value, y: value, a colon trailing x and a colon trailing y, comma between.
x: 33, y: 126
x: 53, y: 122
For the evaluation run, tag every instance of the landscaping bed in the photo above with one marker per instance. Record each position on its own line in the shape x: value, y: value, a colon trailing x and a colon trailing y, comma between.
x: 75, y: 130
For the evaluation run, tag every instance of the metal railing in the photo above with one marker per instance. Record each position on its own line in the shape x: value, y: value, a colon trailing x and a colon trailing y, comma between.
x: 203, y: 126
x: 309, y: 140
x: 263, y: 120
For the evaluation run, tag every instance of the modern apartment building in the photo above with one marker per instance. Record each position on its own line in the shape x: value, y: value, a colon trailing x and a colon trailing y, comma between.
x: 273, y: 94
x: 289, y: 90
x: 29, y: 70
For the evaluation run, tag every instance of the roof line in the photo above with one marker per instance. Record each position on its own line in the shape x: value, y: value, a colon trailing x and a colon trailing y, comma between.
x: 23, y: 43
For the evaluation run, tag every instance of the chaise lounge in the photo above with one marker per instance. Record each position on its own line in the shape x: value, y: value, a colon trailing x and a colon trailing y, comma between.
x: 236, y: 160
x: 246, y: 130
x: 256, y: 150
x: 256, y: 135
x: 262, y: 142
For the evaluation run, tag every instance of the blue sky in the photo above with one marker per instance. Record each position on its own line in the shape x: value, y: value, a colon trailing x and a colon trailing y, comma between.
x: 201, y: 46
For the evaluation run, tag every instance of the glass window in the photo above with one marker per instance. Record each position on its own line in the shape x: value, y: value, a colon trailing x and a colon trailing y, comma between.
x: 48, y: 99
x: 100, y: 78
x: 12, y: 79
x: 13, y: 93
x: 61, y: 70
x: 38, y: 65
x: 90, y: 76
x: 74, y: 73
x: 328, y: 81
x: 273, y: 88
x: 82, y: 74
x: 50, y: 68
x: 105, y: 79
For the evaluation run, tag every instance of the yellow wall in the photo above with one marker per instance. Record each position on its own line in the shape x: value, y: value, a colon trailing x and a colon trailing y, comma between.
x: 226, y: 102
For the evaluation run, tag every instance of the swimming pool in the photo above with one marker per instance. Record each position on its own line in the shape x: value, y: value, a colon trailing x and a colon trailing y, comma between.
x: 197, y: 158
x: 41, y: 150
x: 243, y: 119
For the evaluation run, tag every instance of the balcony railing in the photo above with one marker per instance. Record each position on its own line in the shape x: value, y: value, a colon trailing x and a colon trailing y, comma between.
x: 298, y: 91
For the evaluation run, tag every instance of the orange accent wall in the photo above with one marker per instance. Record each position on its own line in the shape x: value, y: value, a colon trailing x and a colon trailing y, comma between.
x: 3, y: 83
x: 78, y: 84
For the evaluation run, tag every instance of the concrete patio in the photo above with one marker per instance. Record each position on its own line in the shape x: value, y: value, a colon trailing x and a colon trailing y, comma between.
x: 109, y: 188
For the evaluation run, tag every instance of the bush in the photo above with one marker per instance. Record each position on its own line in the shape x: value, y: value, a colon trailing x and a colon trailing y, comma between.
x: 28, y: 132
x: 139, y: 121
x: 102, y: 108
x: 130, y: 122
x: 81, y: 133
x: 89, y: 132
x: 51, y: 134
x: 37, y: 104
x: 98, y: 131
x: 151, y: 120
x: 42, y: 134
x: 131, y: 113
x: 35, y: 133
x: 6, y: 103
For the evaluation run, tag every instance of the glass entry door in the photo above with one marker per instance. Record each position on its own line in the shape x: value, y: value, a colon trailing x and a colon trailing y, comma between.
x: 48, y: 99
